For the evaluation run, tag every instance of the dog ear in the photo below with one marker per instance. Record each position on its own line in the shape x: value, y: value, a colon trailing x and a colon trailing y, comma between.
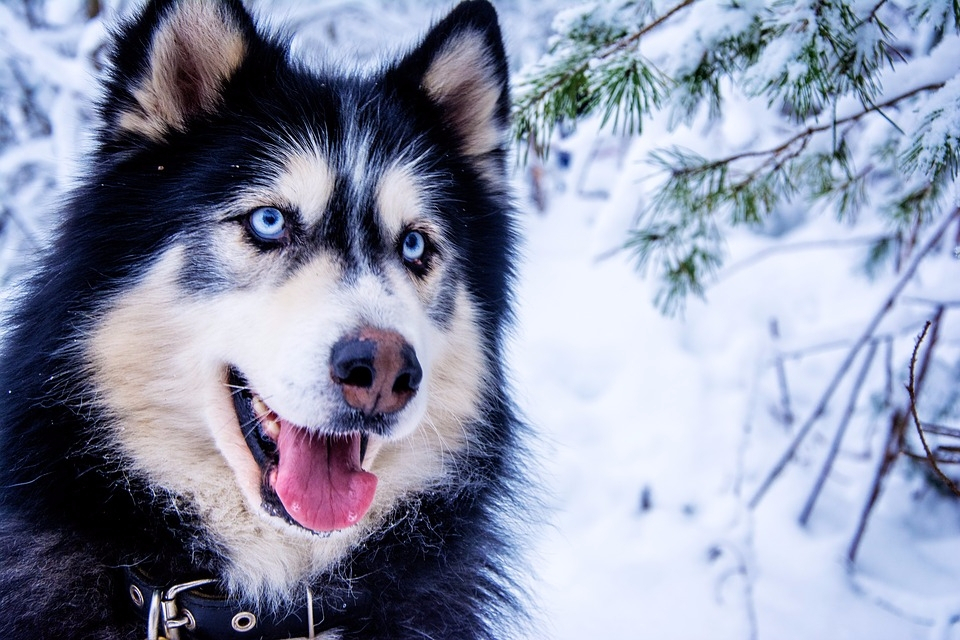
x: 171, y: 63
x: 461, y: 66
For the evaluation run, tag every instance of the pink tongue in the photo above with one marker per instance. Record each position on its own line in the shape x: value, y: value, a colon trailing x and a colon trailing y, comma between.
x: 319, y: 479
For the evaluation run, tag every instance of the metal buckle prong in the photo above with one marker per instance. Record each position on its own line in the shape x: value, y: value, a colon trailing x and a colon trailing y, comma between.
x: 153, y: 617
x: 311, y: 629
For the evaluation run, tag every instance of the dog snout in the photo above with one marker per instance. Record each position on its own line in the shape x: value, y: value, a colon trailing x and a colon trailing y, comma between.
x: 377, y: 371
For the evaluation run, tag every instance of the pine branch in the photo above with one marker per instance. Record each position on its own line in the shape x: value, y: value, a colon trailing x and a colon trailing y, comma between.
x: 697, y: 188
x: 595, y: 74
x: 806, y: 134
x: 611, y: 50
x: 595, y: 66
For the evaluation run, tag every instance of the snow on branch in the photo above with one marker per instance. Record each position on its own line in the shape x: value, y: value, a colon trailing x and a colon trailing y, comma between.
x: 824, y: 68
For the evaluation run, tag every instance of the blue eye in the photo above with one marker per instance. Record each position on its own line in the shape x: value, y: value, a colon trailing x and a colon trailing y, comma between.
x: 267, y: 224
x: 413, y: 247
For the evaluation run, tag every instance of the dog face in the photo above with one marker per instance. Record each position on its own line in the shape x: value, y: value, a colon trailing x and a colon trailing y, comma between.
x: 305, y: 339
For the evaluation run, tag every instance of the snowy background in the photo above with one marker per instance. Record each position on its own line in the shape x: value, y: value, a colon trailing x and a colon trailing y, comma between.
x: 653, y: 432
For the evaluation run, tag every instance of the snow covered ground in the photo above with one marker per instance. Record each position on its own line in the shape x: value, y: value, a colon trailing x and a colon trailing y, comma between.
x: 653, y: 433
x: 657, y: 431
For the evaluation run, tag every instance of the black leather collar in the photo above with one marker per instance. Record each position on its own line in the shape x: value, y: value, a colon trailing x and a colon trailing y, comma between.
x: 195, y: 611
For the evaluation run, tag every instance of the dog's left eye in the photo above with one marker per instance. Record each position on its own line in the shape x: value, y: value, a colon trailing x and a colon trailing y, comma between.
x: 417, y: 251
x: 267, y: 224
x: 413, y: 247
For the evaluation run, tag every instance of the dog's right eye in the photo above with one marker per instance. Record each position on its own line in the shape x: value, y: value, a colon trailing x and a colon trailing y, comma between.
x: 267, y: 225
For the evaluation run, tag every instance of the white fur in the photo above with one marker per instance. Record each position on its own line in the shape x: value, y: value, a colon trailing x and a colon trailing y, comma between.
x: 399, y: 197
x: 306, y: 180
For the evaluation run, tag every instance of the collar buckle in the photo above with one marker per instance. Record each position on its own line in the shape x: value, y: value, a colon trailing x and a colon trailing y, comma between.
x: 165, y: 616
x: 200, y: 609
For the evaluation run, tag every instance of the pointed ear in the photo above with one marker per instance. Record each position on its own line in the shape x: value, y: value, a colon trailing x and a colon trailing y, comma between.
x: 462, y: 68
x: 170, y: 65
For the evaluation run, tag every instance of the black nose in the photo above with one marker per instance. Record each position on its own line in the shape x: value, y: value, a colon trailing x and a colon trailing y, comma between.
x: 377, y: 370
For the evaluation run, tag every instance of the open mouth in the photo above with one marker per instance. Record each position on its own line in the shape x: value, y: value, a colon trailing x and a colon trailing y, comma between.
x: 314, y: 480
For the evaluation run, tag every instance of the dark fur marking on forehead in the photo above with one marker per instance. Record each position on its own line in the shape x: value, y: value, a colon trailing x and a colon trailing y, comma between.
x: 335, y: 232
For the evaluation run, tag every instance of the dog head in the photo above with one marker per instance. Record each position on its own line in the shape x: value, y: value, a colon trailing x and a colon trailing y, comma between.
x: 304, y: 273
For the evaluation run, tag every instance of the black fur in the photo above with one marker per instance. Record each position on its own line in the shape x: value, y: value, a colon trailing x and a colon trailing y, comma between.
x: 71, y: 516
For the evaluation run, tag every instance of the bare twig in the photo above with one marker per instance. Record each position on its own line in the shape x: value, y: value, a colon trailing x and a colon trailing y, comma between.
x: 786, y: 413
x: 891, y: 450
x: 912, y: 391
x: 942, y: 455
x: 888, y: 373
x: 865, y: 337
x: 947, y: 455
x: 812, y: 245
x: 800, y: 353
x: 895, y: 445
x: 838, y: 436
x: 940, y: 430
x: 931, y: 302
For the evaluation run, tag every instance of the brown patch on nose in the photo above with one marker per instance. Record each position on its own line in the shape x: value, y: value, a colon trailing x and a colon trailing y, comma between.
x: 377, y: 371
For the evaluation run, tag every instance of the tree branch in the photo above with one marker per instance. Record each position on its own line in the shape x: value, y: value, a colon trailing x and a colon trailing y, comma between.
x: 838, y: 436
x: 609, y: 50
x: 940, y: 430
x: 866, y: 336
x: 806, y: 133
x: 786, y: 413
x: 809, y: 245
x: 912, y: 391
x: 895, y: 445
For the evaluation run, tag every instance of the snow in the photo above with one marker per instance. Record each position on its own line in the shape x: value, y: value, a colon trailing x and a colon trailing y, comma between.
x: 653, y: 433
x: 658, y: 430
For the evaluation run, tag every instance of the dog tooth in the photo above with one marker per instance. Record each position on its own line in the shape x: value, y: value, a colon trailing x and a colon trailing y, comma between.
x: 268, y: 419
x: 260, y: 407
x: 271, y: 426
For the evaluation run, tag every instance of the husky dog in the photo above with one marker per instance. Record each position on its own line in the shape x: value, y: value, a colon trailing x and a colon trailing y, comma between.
x: 255, y: 388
